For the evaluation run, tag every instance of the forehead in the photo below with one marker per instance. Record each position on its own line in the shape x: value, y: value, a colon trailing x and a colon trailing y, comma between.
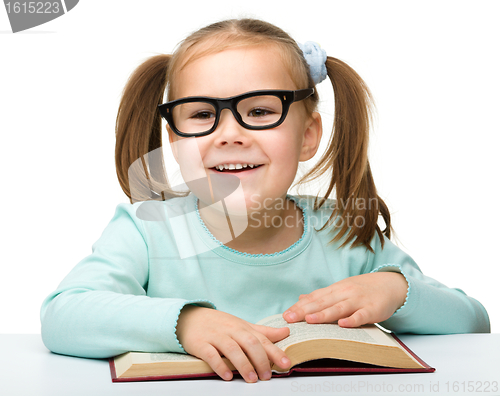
x: 233, y: 71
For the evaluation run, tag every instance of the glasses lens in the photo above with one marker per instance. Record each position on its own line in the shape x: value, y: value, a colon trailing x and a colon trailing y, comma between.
x: 194, y: 117
x: 260, y: 110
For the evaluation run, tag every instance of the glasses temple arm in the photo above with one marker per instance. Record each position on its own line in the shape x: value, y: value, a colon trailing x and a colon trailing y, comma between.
x: 302, y: 94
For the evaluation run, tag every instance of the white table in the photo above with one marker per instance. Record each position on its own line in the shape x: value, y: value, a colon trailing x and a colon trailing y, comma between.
x: 465, y: 365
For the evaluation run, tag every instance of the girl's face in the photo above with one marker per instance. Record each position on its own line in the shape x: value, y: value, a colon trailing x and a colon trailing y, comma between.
x: 277, y: 151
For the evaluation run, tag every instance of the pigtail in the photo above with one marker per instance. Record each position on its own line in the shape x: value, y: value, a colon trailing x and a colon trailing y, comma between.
x: 357, y: 206
x: 138, y: 154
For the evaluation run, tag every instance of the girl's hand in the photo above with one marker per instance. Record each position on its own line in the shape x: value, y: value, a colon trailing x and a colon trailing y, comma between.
x: 208, y: 334
x: 354, y: 301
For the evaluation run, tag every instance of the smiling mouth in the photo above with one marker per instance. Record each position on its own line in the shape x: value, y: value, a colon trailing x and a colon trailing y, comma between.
x: 234, y: 168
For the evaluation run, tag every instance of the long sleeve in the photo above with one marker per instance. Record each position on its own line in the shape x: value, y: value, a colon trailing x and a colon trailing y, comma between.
x: 101, y: 308
x: 430, y: 306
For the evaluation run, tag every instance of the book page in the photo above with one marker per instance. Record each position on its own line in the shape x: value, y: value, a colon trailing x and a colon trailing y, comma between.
x: 171, y: 357
x: 145, y: 357
x: 303, y: 331
x: 127, y: 360
x: 123, y: 362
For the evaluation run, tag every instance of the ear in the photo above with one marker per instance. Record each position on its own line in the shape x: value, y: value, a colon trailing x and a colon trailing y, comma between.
x: 173, y: 138
x: 312, y: 137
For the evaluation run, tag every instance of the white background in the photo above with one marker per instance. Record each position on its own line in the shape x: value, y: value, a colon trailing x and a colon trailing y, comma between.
x: 432, y: 67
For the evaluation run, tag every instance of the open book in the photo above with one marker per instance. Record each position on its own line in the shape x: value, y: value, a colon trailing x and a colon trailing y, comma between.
x: 312, y: 348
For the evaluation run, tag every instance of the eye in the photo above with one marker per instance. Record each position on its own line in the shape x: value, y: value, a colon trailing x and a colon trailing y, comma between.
x: 203, y: 115
x: 260, y: 112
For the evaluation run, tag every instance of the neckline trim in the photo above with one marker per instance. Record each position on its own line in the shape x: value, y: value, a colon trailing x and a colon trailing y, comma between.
x: 261, y: 258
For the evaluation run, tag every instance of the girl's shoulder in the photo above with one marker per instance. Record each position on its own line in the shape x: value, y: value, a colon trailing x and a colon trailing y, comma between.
x: 154, y: 210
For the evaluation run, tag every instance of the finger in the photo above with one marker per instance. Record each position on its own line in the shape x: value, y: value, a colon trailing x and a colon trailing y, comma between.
x: 272, y: 333
x: 276, y: 355
x: 213, y: 358
x: 232, y: 350
x: 331, y: 314
x: 307, y: 298
x: 312, y: 306
x: 296, y: 312
x: 358, y: 318
x: 253, y: 346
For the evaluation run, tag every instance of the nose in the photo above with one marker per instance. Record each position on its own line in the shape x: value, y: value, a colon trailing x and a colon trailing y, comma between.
x: 229, y: 131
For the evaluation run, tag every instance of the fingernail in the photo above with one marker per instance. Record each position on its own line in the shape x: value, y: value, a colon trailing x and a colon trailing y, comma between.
x: 343, y: 323
x: 266, y: 376
x: 313, y: 317
x: 252, y: 376
x: 227, y: 376
x: 286, y: 361
x: 291, y: 315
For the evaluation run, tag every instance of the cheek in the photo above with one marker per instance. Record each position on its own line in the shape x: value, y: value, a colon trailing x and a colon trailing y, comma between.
x: 286, y: 145
x: 189, y: 155
x: 189, y: 150
x: 285, y: 156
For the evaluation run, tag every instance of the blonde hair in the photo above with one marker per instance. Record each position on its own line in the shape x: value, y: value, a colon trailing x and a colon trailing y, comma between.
x: 138, y: 125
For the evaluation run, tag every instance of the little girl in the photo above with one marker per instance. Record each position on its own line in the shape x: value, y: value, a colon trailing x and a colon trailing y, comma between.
x: 193, y: 272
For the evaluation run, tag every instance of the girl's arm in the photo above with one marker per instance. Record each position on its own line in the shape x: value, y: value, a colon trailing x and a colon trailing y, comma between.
x: 101, y: 308
x: 393, y: 292
x: 430, y: 306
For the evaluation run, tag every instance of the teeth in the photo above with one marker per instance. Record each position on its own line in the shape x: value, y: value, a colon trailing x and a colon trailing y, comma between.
x: 221, y: 167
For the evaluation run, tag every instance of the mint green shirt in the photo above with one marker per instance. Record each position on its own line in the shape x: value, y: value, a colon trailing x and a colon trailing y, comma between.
x: 127, y: 295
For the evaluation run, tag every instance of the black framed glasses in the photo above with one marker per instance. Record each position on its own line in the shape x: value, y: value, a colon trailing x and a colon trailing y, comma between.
x: 256, y: 110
